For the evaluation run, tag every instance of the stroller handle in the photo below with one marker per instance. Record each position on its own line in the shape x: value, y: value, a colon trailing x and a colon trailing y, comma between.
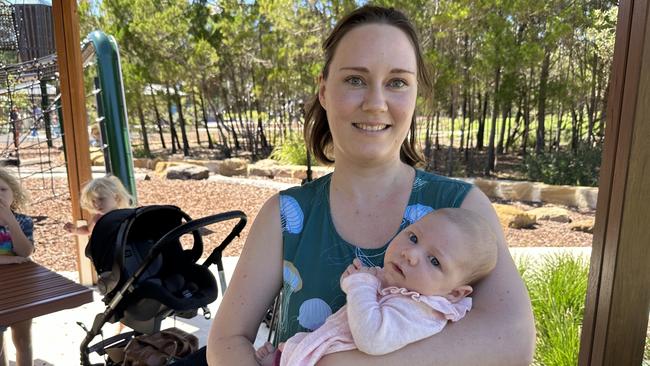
x: 184, y: 229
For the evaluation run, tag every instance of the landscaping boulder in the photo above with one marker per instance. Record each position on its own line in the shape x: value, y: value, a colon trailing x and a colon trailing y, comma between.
x: 556, y: 214
x: 510, y: 216
x: 560, y: 195
x: 264, y: 168
x: 234, y: 166
x: 187, y: 171
x: 585, y: 226
x: 96, y: 156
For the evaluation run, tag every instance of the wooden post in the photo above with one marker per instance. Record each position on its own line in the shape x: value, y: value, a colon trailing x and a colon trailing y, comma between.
x: 68, y: 51
x: 616, y: 311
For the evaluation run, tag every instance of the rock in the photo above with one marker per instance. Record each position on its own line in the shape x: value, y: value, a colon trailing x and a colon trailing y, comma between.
x: 187, y: 171
x: 264, y: 168
x: 517, y: 191
x: 559, y: 195
x: 513, y: 217
x: 489, y: 187
x: 96, y: 157
x: 556, y: 214
x: 585, y: 226
x: 234, y: 166
x: 522, y: 221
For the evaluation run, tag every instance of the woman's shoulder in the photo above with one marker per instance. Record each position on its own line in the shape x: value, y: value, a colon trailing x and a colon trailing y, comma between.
x: 308, y: 190
x: 439, y: 190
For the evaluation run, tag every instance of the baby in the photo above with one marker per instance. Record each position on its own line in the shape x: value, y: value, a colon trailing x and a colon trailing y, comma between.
x: 429, y: 269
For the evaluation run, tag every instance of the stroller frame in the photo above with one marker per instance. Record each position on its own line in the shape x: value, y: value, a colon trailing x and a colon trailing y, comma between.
x: 131, y: 283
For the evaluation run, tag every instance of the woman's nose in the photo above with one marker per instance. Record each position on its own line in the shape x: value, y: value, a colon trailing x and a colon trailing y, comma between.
x: 375, y: 100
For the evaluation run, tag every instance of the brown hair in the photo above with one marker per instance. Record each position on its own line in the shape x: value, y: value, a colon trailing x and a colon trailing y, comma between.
x: 20, y: 196
x: 317, y: 133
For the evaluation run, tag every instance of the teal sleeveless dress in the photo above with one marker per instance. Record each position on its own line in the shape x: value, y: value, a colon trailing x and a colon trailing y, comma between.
x: 315, y: 255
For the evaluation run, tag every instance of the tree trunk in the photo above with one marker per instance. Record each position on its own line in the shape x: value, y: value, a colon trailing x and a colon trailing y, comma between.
x: 502, y: 131
x: 205, y: 121
x: 491, y: 158
x: 158, y: 119
x: 541, y: 106
x: 172, y: 128
x: 481, y: 122
x: 143, y: 128
x: 181, y: 121
x: 196, y: 118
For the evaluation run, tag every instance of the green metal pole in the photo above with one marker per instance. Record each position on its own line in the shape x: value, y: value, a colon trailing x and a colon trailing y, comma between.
x: 113, y: 105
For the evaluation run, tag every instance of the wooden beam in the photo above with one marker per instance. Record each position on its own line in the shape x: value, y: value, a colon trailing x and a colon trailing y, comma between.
x: 616, y: 312
x: 68, y: 51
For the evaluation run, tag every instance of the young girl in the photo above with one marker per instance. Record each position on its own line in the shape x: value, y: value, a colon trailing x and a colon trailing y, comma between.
x: 16, y: 245
x: 429, y: 269
x: 98, y: 197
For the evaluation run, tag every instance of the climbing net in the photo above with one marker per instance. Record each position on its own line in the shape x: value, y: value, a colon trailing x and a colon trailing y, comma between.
x: 31, y: 140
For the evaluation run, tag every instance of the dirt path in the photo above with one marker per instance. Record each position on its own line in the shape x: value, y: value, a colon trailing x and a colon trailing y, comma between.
x: 51, y: 209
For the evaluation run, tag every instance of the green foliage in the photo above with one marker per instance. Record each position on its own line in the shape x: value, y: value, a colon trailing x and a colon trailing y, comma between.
x: 557, y: 286
x: 140, y: 153
x: 291, y: 151
x: 566, y: 167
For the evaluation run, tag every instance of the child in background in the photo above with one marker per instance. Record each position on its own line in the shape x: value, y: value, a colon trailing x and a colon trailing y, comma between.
x: 429, y: 269
x: 16, y: 245
x: 98, y: 197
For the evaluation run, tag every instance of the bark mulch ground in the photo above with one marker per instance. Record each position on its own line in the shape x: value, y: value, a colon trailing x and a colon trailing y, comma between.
x: 50, y: 207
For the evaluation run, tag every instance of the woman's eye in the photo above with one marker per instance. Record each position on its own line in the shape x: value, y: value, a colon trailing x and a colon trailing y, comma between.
x: 397, y: 83
x: 354, y: 81
x: 434, y: 260
x: 413, y: 238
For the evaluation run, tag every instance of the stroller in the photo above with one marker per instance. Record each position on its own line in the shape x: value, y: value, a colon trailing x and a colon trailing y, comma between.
x: 145, y: 275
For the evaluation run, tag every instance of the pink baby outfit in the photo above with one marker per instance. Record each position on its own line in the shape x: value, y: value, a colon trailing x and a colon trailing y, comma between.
x: 376, y: 321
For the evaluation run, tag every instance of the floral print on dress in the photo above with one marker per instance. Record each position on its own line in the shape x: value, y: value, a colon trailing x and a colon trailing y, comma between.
x: 415, y: 212
x: 313, y: 313
x: 291, y: 216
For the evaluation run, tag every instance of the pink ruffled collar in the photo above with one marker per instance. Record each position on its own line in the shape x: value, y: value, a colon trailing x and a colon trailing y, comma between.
x: 451, y: 311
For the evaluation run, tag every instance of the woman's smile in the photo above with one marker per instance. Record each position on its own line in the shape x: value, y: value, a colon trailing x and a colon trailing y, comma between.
x: 371, y: 127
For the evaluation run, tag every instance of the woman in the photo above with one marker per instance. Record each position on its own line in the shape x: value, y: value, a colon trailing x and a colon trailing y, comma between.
x: 304, y: 238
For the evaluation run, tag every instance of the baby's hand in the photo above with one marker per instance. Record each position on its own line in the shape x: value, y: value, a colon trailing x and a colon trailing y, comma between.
x: 357, y: 267
x: 68, y: 227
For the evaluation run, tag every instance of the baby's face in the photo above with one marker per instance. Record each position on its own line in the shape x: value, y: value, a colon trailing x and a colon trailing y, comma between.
x: 424, y: 257
x: 104, y: 204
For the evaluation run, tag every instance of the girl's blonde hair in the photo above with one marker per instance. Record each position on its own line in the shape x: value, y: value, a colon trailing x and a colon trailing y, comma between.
x: 20, y: 196
x: 105, y: 187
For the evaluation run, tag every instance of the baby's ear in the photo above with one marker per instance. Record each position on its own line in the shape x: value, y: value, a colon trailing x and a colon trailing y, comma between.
x: 459, y: 293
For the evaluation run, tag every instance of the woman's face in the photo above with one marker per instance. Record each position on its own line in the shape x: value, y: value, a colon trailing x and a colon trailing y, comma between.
x: 370, y: 93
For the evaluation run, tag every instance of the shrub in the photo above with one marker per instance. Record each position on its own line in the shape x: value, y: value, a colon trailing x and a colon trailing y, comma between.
x: 139, y: 152
x: 291, y: 151
x: 566, y: 167
x: 557, y: 286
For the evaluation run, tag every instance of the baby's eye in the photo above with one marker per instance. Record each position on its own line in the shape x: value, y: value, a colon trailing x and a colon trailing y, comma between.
x: 413, y: 238
x: 397, y: 83
x: 434, y: 261
x: 354, y: 81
